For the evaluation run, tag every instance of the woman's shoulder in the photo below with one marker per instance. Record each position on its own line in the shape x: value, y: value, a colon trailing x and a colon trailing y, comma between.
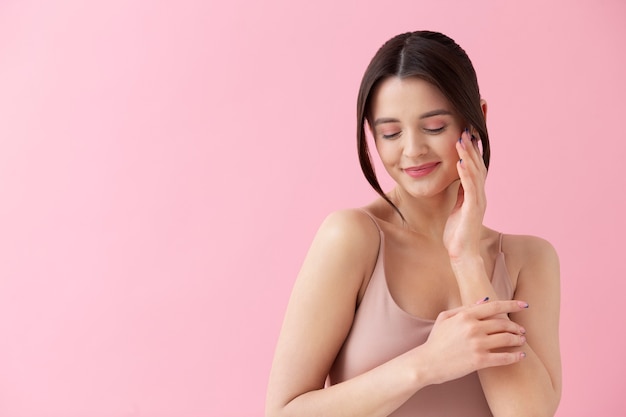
x: 524, y: 251
x: 351, y: 234
x: 354, y: 226
x: 345, y: 250
x: 528, y: 245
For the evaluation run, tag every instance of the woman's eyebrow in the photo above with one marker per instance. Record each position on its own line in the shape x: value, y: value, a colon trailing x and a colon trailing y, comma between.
x: 438, y: 112
x: 382, y: 120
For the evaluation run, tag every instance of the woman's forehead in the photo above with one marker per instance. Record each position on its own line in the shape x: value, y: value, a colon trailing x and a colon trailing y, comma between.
x: 410, y: 95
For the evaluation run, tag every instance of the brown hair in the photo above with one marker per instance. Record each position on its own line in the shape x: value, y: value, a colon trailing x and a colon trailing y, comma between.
x: 431, y: 56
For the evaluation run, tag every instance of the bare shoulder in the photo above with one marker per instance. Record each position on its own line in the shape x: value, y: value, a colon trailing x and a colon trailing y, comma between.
x: 533, y: 264
x: 351, y: 227
x: 344, y: 251
x: 527, y: 251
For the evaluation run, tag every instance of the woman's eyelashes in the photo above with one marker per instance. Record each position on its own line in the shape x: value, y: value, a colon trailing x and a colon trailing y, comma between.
x: 389, y: 135
x: 434, y: 131
x: 392, y: 134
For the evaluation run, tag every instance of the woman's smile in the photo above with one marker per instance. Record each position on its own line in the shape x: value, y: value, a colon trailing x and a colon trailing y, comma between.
x: 421, y: 170
x: 416, y: 131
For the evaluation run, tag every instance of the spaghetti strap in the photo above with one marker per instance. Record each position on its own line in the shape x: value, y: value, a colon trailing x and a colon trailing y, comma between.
x: 500, y: 244
x: 372, y: 218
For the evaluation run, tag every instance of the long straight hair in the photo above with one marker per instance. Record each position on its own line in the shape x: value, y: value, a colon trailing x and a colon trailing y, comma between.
x: 435, y: 58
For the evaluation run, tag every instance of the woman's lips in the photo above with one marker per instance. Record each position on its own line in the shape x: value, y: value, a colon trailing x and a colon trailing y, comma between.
x: 420, y: 171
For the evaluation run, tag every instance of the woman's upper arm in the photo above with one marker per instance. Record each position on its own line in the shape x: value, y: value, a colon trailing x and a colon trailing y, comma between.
x: 538, y: 284
x: 322, y: 304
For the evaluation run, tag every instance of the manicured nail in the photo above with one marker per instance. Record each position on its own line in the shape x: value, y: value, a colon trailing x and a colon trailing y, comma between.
x: 460, y: 140
x: 484, y: 300
x: 522, y: 304
x: 523, y: 340
x: 522, y: 355
x: 460, y: 161
x: 522, y: 330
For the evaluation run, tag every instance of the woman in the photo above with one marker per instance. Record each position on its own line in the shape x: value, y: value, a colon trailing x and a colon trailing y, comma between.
x: 411, y: 306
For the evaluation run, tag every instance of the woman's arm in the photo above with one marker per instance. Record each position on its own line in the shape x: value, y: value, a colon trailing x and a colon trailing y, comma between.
x: 537, y: 391
x: 318, y: 319
x: 533, y: 386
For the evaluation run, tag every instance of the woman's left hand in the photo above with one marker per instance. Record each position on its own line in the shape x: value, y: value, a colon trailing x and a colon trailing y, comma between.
x: 462, y: 231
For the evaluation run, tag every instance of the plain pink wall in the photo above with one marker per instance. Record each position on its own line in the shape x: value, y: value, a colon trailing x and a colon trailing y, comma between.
x: 164, y: 166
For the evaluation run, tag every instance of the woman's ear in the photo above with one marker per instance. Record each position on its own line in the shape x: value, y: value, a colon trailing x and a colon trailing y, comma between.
x: 483, y: 106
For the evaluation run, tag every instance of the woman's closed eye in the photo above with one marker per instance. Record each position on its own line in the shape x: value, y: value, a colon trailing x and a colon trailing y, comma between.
x: 392, y: 133
x: 434, y: 131
x: 389, y: 135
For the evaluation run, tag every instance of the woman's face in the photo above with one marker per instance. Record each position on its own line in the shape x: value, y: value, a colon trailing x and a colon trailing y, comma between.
x: 416, y: 129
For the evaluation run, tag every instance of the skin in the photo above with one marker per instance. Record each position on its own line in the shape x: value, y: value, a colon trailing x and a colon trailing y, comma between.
x: 514, y: 348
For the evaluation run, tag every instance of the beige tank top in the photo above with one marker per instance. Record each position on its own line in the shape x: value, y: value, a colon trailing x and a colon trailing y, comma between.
x: 381, y: 330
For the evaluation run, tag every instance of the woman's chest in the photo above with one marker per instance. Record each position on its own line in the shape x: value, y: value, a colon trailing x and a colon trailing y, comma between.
x: 420, y: 278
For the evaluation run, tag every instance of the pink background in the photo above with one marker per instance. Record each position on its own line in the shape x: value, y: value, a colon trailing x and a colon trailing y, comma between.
x: 165, y: 164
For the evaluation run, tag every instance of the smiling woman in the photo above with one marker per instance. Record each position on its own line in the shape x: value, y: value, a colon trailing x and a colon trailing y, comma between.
x: 410, y: 306
x: 420, y: 139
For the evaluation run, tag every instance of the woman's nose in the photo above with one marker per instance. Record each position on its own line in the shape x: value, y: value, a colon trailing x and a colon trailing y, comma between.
x: 414, y: 145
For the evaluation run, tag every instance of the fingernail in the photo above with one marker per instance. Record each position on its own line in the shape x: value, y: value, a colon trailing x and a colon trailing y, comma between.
x: 522, y: 304
x: 460, y: 161
x: 484, y: 300
x: 523, y: 340
x: 522, y: 355
x: 522, y: 330
x: 460, y: 140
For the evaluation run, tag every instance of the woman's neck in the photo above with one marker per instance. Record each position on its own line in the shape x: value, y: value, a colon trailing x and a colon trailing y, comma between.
x: 426, y: 215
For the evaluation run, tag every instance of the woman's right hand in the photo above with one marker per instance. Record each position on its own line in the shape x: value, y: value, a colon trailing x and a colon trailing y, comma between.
x: 466, y: 339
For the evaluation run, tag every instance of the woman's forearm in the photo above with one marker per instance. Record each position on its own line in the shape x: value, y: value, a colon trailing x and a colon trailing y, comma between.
x: 376, y: 393
x: 472, y: 279
x: 521, y: 389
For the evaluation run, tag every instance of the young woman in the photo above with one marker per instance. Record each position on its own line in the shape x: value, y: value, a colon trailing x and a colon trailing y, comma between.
x: 410, y: 306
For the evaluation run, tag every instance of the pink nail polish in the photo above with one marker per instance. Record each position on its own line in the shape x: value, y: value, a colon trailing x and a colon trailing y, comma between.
x: 522, y: 304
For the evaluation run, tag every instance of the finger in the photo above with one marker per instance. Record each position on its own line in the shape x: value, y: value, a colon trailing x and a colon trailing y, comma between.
x: 477, y: 140
x: 470, y: 167
x: 503, y: 340
x: 503, y: 358
x: 467, y: 173
x: 482, y: 300
x: 493, y: 308
x: 468, y: 148
x: 450, y: 313
x: 501, y: 325
x: 477, y: 144
x: 465, y: 165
